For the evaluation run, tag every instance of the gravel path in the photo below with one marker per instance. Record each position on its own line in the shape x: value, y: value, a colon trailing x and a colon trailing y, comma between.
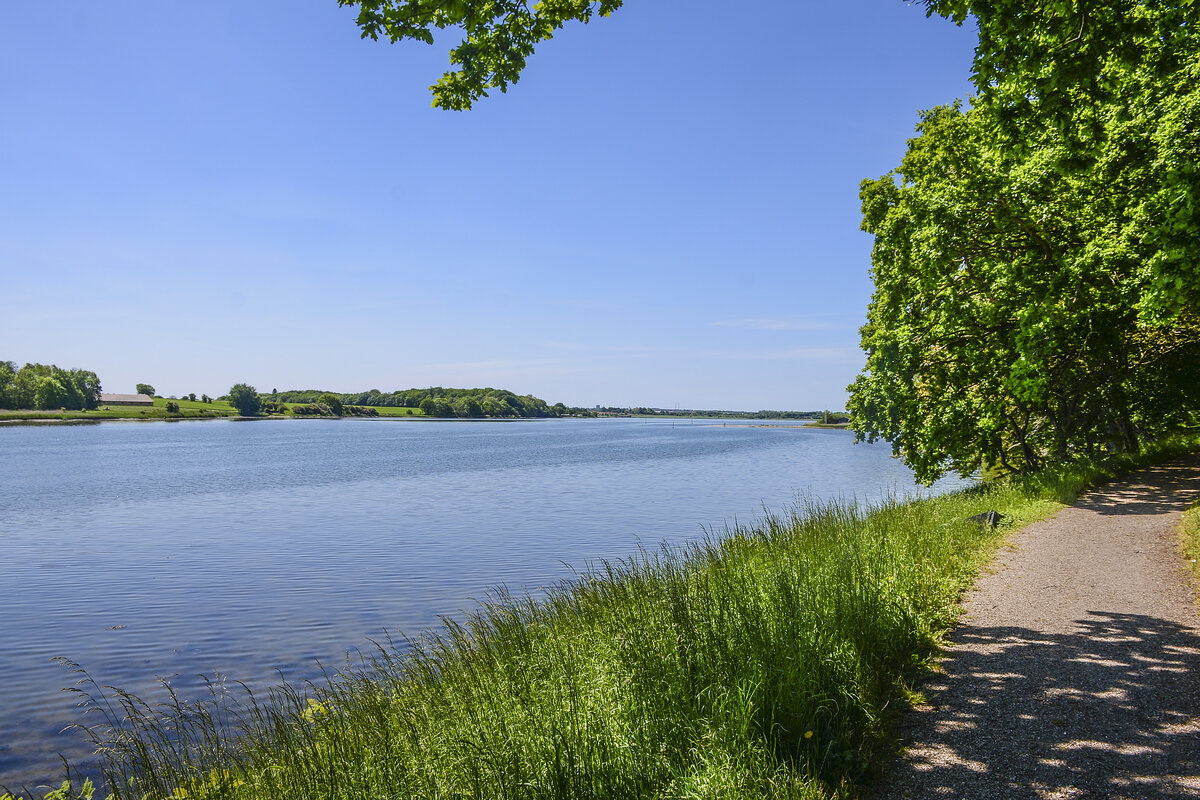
x: 1075, y: 671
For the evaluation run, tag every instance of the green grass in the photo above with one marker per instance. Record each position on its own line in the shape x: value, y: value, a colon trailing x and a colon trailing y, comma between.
x: 1189, y: 538
x: 770, y: 661
x: 187, y: 409
x: 383, y: 411
x: 195, y: 408
x: 398, y: 411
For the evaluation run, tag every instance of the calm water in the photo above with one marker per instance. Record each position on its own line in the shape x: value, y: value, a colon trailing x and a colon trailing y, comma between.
x: 176, y: 549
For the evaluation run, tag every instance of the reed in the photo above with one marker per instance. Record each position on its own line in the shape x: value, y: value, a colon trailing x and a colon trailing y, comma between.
x: 768, y: 660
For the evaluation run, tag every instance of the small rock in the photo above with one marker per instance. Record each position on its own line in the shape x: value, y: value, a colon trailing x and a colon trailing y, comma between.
x: 988, y: 519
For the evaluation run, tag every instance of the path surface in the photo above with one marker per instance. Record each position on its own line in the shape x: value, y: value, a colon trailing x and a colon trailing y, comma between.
x: 1075, y: 672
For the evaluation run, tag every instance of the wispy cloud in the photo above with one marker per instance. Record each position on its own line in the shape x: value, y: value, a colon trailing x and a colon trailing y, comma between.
x: 787, y: 354
x: 517, y: 367
x: 631, y: 350
x: 723, y: 354
x: 780, y: 325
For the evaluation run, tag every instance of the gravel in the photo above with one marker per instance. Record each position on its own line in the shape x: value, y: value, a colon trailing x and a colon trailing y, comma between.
x: 1075, y: 670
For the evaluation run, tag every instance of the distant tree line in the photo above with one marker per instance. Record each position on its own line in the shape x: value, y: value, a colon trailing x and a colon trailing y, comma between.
x: 323, y: 410
x: 45, y: 386
x: 643, y: 411
x: 437, y: 401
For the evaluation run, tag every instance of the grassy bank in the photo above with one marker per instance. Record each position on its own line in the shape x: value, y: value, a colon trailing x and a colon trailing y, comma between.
x: 188, y: 409
x: 770, y: 661
x: 382, y: 411
x: 1189, y: 538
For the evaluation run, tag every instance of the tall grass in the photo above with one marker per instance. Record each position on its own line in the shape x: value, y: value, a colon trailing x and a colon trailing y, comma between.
x: 767, y: 661
x: 1189, y: 538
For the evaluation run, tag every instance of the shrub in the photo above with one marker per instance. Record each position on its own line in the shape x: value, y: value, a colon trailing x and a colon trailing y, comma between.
x: 332, y: 402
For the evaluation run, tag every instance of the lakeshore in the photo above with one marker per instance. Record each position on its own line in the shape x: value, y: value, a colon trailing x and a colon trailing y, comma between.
x: 707, y: 662
x: 181, y: 550
x: 773, y: 660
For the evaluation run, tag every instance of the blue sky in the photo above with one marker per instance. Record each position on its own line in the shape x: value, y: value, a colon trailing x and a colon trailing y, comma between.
x: 664, y: 211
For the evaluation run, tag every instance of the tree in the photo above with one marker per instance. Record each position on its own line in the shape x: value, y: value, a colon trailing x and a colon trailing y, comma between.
x: 333, y: 402
x: 1007, y: 327
x: 8, y: 374
x: 87, y: 385
x: 47, y: 386
x: 436, y: 407
x: 49, y: 392
x: 1116, y: 86
x: 245, y: 399
x: 468, y: 407
x: 146, y: 389
x: 1037, y: 258
x: 500, y: 36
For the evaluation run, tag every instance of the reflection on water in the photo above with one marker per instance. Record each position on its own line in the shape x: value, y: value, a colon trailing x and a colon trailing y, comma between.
x: 150, y: 549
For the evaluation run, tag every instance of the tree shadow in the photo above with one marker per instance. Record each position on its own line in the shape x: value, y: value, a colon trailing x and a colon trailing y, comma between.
x: 1111, y: 710
x: 1165, y: 488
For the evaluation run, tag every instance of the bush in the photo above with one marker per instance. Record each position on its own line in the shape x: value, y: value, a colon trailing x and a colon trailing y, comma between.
x: 332, y: 402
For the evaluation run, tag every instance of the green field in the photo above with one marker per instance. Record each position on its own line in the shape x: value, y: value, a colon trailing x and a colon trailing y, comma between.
x: 397, y: 411
x: 383, y: 411
x: 188, y: 409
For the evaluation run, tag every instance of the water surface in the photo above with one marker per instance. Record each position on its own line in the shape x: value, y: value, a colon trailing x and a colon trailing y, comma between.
x: 148, y: 550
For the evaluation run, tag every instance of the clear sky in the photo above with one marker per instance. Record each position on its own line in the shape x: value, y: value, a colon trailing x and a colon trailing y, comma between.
x: 663, y: 212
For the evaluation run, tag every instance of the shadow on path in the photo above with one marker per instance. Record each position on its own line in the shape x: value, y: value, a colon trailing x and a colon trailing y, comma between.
x: 1162, y: 489
x: 1108, y: 711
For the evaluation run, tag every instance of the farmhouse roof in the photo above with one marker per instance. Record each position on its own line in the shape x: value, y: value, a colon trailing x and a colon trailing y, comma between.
x: 126, y: 398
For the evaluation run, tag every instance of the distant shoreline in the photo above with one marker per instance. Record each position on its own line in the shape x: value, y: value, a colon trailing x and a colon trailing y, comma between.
x: 187, y: 409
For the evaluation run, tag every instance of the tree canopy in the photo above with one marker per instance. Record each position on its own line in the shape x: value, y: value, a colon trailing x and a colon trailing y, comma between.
x: 1114, y: 89
x: 245, y: 399
x: 500, y: 36
x: 47, y: 386
x: 435, y: 401
x: 1035, y: 258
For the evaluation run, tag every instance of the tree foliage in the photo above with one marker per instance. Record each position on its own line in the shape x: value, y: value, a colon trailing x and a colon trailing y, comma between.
x: 500, y: 36
x: 146, y: 389
x: 1035, y: 255
x: 332, y: 402
x: 1115, y: 87
x: 245, y: 399
x: 46, y: 386
x: 436, y: 401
